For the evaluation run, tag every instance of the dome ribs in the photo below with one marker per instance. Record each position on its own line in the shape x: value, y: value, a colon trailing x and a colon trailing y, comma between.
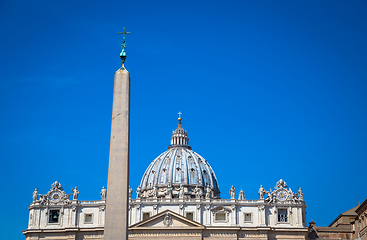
x: 177, y: 166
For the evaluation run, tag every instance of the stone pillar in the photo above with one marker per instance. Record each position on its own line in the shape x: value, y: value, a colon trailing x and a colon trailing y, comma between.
x: 73, y: 216
x: 45, y: 213
x: 138, y: 213
x: 198, y: 214
x: 61, y: 217
x: 207, y: 213
x: 261, y: 216
x: 116, y: 223
x: 290, y: 217
x: 31, y: 221
x: 233, y: 215
x: 101, y: 218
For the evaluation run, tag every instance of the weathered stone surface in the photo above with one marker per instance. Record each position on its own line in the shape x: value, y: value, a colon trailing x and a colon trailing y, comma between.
x: 116, y: 222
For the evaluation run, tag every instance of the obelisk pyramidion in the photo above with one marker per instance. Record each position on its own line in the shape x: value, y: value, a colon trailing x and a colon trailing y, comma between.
x: 116, y: 222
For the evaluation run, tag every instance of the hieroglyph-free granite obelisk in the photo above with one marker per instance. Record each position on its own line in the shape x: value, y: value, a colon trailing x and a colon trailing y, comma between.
x: 116, y: 222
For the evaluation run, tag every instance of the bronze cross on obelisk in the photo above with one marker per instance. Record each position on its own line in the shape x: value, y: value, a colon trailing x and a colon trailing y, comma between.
x: 123, y: 46
x: 123, y: 37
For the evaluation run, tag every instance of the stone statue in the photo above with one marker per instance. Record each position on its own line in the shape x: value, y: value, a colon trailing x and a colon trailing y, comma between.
x: 138, y: 192
x: 197, y: 192
x: 291, y: 194
x: 300, y: 194
x: 75, y: 193
x: 155, y: 191
x: 232, y: 192
x: 181, y: 193
x: 35, y: 195
x: 208, y: 192
x: 103, y: 193
x: 56, y: 186
x: 43, y: 199
x: 281, y: 184
x: 169, y: 190
x: 130, y: 192
x: 262, y: 192
x: 241, y: 195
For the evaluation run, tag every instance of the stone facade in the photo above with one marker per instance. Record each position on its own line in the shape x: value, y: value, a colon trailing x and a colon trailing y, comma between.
x: 280, y: 215
x: 178, y: 198
x: 360, y: 224
x: 351, y: 224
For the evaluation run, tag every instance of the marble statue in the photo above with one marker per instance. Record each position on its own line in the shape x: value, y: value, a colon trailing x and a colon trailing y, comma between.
x: 138, y: 193
x: 75, y: 193
x: 197, y: 192
x: 208, y: 192
x: 281, y: 184
x: 43, y: 198
x: 232, y: 192
x: 241, y: 195
x: 155, y: 191
x: 169, y: 190
x: 181, y: 193
x: 130, y: 192
x: 103, y: 193
x: 35, y: 195
x: 56, y: 186
x: 300, y: 194
x: 262, y: 192
x: 291, y: 194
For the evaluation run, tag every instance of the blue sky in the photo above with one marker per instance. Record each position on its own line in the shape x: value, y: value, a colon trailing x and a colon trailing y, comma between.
x: 268, y: 90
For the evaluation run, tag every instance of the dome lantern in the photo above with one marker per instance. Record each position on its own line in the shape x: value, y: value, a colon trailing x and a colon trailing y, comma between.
x: 179, y: 136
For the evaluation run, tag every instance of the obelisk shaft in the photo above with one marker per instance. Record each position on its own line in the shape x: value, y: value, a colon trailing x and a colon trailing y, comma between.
x: 116, y: 223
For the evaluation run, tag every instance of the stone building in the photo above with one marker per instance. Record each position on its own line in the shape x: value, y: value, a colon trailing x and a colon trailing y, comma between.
x: 351, y: 224
x: 360, y: 224
x: 178, y: 196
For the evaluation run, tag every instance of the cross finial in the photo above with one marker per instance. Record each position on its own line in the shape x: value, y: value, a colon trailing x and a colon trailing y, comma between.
x: 123, y: 45
x: 179, y: 116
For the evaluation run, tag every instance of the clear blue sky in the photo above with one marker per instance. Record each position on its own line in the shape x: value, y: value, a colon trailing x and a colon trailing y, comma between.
x: 268, y: 90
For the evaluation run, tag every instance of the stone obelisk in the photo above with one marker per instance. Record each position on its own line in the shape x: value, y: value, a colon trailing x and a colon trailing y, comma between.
x: 116, y: 221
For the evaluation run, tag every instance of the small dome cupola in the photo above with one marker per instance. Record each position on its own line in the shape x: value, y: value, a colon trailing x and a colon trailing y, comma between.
x: 179, y: 136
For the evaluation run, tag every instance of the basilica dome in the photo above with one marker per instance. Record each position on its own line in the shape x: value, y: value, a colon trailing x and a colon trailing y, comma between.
x: 179, y: 172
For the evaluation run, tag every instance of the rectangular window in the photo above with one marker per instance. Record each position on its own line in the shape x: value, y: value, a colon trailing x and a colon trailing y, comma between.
x: 146, y: 215
x: 190, y: 216
x: 88, y: 218
x: 282, y: 215
x: 248, y: 217
x: 54, y: 216
x: 220, y: 217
